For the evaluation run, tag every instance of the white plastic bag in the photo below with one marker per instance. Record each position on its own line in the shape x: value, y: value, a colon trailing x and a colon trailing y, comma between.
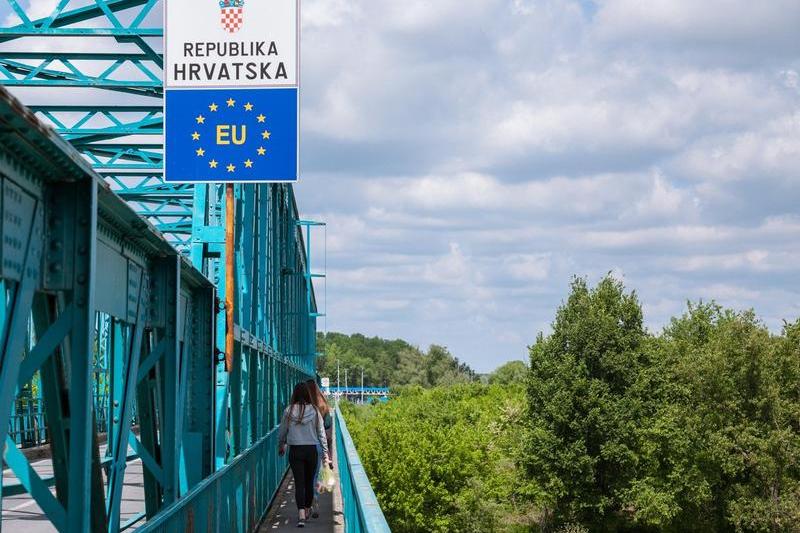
x: 327, y: 479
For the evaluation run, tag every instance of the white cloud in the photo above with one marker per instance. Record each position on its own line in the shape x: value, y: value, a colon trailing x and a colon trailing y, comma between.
x: 767, y: 152
x: 453, y: 268
x: 528, y: 267
x: 750, y: 260
x: 328, y: 13
x: 665, y: 200
x: 732, y: 22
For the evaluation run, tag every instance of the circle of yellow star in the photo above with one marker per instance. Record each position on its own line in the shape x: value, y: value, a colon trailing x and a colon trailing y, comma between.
x: 200, y: 152
x: 261, y: 118
x: 195, y: 136
x: 213, y: 163
x: 231, y: 102
x: 213, y: 106
x: 265, y: 134
x: 248, y: 106
x: 200, y: 119
x: 248, y: 164
x: 231, y: 167
x: 261, y: 150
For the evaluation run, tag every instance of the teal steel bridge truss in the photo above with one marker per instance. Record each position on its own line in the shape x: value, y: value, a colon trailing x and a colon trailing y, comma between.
x: 113, y: 318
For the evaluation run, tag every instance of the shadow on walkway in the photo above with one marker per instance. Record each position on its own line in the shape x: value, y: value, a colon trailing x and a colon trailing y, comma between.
x: 282, y: 516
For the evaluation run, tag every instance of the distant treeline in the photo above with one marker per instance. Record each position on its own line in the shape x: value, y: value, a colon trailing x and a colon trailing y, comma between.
x: 389, y: 363
x: 611, y: 428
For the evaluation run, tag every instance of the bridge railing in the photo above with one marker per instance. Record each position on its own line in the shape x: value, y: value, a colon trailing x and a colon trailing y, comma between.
x: 26, y: 425
x: 362, y: 513
x: 234, y: 499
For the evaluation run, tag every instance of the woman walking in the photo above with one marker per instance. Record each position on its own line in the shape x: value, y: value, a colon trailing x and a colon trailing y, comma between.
x: 302, y: 429
x: 327, y: 421
x: 324, y: 410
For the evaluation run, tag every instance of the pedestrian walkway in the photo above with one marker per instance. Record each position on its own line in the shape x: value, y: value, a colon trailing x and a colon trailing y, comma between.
x: 20, y: 512
x: 282, y: 516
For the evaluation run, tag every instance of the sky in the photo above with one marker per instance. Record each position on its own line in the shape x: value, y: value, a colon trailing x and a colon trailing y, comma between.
x: 471, y: 157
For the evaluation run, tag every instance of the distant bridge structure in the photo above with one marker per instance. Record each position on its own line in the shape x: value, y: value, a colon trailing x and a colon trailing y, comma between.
x: 358, y: 394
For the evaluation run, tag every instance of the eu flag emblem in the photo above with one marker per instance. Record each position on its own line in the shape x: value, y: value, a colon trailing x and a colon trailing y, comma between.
x: 227, y: 135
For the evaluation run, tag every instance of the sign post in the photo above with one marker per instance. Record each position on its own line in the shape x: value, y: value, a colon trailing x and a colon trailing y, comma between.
x: 231, y: 81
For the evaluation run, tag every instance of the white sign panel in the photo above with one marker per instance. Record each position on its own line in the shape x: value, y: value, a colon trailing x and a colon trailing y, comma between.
x: 231, y: 43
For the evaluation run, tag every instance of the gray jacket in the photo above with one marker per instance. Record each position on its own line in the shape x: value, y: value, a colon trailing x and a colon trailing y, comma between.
x: 309, y: 430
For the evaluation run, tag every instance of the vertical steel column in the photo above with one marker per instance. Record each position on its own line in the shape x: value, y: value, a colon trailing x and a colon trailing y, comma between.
x: 166, y: 280
x: 128, y: 375
x: 116, y: 368
x: 19, y: 297
x: 79, y: 202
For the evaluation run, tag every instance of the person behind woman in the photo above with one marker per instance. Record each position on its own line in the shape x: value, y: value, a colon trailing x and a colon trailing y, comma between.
x: 302, y: 429
x: 327, y: 421
x: 324, y: 409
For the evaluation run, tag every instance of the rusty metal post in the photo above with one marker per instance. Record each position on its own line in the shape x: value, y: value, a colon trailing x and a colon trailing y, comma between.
x: 230, y: 274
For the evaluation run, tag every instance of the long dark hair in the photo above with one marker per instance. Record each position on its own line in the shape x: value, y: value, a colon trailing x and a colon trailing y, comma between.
x: 317, y: 397
x: 300, y: 396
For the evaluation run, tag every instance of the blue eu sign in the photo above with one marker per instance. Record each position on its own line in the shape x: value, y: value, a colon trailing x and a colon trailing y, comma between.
x: 224, y: 135
x: 231, y: 90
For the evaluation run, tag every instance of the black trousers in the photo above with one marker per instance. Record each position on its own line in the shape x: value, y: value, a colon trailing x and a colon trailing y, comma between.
x: 303, y: 462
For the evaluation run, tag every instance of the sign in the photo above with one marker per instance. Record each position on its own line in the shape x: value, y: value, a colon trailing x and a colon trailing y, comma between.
x: 231, y: 80
x: 326, y: 382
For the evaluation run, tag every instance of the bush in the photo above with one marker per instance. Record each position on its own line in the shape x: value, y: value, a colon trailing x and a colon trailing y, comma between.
x: 443, y: 459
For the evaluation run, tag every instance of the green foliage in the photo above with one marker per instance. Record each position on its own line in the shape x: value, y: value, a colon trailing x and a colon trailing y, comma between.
x: 388, y: 362
x: 513, y: 372
x: 696, y: 429
x: 443, y: 459
x: 582, y: 412
x: 720, y: 439
x: 693, y: 430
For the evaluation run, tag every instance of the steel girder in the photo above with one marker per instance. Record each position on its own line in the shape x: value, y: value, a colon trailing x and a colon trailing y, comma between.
x: 75, y: 261
x: 111, y: 136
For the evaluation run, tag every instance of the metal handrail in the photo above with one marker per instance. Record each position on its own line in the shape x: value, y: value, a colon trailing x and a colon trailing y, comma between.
x: 362, y: 512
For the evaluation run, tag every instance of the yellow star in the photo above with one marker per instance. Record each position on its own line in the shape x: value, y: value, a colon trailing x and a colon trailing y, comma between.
x: 261, y: 150
x: 265, y: 135
x: 195, y: 136
x: 200, y: 119
x: 231, y: 168
x: 261, y: 118
x: 231, y: 102
x: 213, y: 163
x: 200, y: 152
x: 248, y: 106
x: 213, y: 107
x: 248, y: 163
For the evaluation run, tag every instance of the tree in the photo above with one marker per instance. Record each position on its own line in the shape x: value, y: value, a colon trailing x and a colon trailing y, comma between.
x: 389, y: 362
x: 511, y: 372
x: 721, y: 443
x: 582, y: 417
